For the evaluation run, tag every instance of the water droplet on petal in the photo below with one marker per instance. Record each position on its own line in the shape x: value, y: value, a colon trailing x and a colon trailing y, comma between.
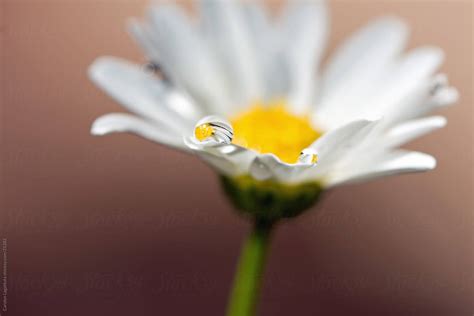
x: 213, y: 129
x: 309, y: 156
x: 259, y: 170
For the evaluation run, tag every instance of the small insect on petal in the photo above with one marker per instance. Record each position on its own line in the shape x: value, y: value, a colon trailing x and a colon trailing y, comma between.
x: 308, y: 156
x: 213, y: 129
x: 154, y: 69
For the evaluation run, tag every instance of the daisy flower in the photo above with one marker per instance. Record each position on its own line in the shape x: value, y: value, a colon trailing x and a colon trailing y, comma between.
x: 247, y: 93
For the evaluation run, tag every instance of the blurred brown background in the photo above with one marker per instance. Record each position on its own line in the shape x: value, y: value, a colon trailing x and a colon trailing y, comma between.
x: 119, y: 226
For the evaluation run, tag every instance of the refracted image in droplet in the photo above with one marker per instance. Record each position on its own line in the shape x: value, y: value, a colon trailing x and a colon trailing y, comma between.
x: 214, y: 129
x: 308, y: 156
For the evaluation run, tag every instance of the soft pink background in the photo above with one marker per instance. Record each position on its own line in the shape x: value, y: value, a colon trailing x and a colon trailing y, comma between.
x: 119, y: 226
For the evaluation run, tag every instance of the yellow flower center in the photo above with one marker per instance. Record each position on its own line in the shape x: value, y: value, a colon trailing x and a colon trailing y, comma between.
x: 273, y: 129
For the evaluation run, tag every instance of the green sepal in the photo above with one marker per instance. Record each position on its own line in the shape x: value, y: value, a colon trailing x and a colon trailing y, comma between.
x: 269, y: 200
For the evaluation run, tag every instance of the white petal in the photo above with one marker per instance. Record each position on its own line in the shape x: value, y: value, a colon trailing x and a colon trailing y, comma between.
x: 353, y: 73
x: 428, y: 96
x: 218, y: 163
x: 373, y: 144
x: 442, y: 98
x: 270, y: 167
x: 330, y: 148
x: 184, y: 55
x: 305, y: 30
x: 120, y: 123
x: 340, y: 145
x: 228, y: 159
x: 225, y: 29
x: 344, y: 137
x: 267, y: 46
x: 394, y: 163
x: 405, y: 132
x: 257, y: 22
x: 141, y: 34
x: 366, y: 53
x: 143, y: 94
x: 234, y: 160
x: 406, y: 75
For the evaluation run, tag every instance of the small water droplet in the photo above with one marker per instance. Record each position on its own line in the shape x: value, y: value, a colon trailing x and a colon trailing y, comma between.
x: 309, y: 156
x: 213, y: 129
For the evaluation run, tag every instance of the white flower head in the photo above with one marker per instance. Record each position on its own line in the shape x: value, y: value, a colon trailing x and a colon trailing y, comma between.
x: 248, y: 94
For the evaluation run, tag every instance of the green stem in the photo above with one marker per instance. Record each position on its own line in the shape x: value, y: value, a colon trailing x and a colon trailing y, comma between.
x: 244, y: 295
